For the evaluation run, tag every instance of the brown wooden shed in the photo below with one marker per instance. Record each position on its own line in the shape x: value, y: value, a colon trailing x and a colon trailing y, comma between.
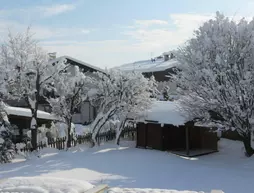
x: 179, y: 137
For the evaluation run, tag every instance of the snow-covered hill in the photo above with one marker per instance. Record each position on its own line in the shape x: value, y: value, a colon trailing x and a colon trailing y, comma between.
x: 149, y: 66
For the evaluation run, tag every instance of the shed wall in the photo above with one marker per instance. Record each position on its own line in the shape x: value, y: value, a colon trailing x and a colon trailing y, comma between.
x: 169, y: 137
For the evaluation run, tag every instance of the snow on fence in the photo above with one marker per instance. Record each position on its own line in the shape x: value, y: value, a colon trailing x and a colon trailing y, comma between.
x: 59, y: 143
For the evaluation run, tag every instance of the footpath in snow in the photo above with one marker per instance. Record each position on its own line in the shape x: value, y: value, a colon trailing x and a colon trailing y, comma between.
x: 128, y: 167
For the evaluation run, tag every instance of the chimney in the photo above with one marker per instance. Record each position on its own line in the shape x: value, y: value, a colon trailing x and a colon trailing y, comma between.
x: 166, y: 56
x: 52, y: 56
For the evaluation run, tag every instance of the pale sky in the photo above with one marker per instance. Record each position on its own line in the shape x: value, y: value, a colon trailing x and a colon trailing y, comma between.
x: 108, y: 33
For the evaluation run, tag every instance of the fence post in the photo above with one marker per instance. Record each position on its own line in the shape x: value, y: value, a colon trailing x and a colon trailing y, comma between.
x: 61, y: 143
x: 58, y: 144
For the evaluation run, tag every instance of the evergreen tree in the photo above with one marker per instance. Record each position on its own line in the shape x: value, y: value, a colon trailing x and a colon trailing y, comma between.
x: 7, y: 148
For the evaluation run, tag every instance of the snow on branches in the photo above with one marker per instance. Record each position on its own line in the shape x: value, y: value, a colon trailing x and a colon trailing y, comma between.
x: 217, y: 75
x: 71, y: 87
x: 118, y: 94
x: 31, y: 72
x: 7, y: 148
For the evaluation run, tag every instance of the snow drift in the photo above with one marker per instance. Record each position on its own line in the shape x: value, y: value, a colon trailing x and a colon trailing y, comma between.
x: 43, y: 185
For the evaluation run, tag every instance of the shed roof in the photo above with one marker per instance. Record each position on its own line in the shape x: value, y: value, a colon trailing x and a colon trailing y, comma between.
x: 24, y: 112
x: 165, y: 112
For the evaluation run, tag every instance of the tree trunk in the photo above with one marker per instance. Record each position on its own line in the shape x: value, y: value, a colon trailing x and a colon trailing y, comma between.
x: 119, y: 131
x: 34, y: 128
x: 34, y: 138
x: 118, y: 140
x: 247, y: 145
x: 92, y: 143
x: 69, y: 134
x: 34, y: 107
x: 100, y: 121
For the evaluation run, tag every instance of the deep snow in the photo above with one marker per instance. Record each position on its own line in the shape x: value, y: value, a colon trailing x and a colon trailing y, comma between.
x: 130, y: 167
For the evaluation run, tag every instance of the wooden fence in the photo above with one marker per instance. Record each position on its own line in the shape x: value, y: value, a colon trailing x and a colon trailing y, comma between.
x: 59, y: 143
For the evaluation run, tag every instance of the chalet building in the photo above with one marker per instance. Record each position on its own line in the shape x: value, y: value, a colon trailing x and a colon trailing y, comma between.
x: 86, y: 113
x: 161, y: 67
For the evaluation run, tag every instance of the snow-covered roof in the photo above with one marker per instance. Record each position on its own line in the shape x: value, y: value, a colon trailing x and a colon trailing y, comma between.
x: 18, y: 111
x: 166, y: 53
x: 149, y: 66
x: 165, y: 112
x: 78, y: 61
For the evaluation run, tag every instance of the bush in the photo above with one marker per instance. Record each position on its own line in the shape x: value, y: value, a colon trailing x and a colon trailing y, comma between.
x: 7, y: 148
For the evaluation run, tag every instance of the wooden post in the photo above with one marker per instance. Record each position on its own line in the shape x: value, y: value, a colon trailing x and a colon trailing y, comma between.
x: 146, y: 128
x: 162, y: 138
x: 187, y: 140
x: 137, y: 136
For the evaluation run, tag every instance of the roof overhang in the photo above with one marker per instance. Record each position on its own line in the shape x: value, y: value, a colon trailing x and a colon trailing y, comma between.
x: 81, y: 63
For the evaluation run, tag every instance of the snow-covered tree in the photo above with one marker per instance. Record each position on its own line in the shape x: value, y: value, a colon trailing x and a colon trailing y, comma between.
x: 217, y: 75
x: 32, y: 72
x: 71, y: 87
x: 117, y: 94
x: 136, y: 96
x: 7, y: 148
x: 6, y: 71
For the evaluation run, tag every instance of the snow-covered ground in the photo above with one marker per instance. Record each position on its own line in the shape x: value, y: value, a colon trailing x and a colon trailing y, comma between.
x: 129, y: 167
x: 82, y: 129
x: 146, y: 190
x: 43, y: 185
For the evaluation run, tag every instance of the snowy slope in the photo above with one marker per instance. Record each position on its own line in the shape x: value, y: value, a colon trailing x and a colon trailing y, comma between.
x: 149, y: 66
